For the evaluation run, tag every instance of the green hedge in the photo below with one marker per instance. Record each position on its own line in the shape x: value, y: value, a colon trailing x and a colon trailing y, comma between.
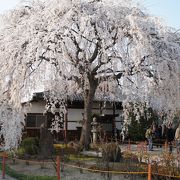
x: 30, y: 145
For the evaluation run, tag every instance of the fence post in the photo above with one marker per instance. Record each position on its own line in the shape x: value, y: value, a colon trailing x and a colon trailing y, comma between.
x: 3, y: 165
x: 166, y: 146
x: 58, y: 167
x: 141, y: 146
x: 145, y: 146
x: 149, y: 171
x: 138, y: 149
x: 129, y: 145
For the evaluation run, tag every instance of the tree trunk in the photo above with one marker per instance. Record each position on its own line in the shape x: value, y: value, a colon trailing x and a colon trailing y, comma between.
x: 46, y: 143
x: 87, y: 119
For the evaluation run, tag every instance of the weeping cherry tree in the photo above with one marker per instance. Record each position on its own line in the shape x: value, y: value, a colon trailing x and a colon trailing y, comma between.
x: 102, y: 49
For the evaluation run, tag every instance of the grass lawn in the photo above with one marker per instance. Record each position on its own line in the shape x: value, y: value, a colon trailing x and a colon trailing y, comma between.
x: 20, y: 176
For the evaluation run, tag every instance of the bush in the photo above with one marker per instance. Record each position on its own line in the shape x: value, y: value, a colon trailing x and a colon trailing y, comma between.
x: 137, y: 129
x: 111, y: 152
x: 30, y: 146
x: 75, y: 146
x: 20, y: 152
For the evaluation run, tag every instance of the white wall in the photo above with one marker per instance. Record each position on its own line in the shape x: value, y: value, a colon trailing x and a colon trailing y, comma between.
x: 75, y: 114
x: 37, y: 107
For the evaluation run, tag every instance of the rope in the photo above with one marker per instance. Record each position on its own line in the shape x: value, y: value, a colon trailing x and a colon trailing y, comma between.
x: 98, y: 170
x: 165, y: 175
x: 117, y: 172
x: 102, y: 171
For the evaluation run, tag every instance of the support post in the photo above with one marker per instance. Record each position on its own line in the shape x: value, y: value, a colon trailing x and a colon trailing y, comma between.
x: 149, y: 171
x: 114, y: 123
x: 3, y: 165
x: 137, y: 147
x: 66, y: 127
x: 129, y: 145
x: 145, y: 146
x: 166, y: 146
x: 100, y: 108
x: 58, y: 167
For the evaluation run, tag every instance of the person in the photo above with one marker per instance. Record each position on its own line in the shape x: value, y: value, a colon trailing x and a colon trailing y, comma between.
x: 149, y: 138
x: 170, y: 137
x: 164, y: 134
x: 158, y: 136
x: 164, y: 131
x: 117, y: 133
x: 177, y: 139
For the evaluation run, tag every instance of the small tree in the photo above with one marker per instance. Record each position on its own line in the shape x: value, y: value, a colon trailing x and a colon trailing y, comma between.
x: 100, y: 49
x: 138, y: 127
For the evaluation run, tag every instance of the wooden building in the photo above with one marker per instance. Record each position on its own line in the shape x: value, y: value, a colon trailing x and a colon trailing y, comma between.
x: 109, y: 116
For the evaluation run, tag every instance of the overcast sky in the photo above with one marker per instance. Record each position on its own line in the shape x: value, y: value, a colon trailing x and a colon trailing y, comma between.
x: 169, y: 10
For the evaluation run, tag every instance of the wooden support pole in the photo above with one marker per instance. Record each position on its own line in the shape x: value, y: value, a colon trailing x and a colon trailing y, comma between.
x: 129, y: 145
x: 3, y: 165
x: 145, y: 146
x: 58, y: 167
x: 149, y: 171
x: 138, y: 148
x: 166, y: 146
x: 113, y: 122
x: 66, y: 127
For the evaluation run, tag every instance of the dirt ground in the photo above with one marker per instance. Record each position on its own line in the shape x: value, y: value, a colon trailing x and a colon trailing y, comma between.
x: 69, y: 173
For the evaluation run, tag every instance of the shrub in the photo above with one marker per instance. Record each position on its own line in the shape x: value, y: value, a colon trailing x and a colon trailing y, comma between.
x: 76, y: 146
x: 137, y: 129
x: 95, y: 146
x: 111, y: 152
x: 30, y: 145
x: 20, y: 152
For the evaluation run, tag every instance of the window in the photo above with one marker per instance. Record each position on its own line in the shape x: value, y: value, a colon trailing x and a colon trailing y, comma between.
x: 31, y: 121
x: 35, y: 120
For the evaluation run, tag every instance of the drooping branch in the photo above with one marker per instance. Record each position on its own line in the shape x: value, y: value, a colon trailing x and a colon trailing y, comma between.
x: 87, y: 47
